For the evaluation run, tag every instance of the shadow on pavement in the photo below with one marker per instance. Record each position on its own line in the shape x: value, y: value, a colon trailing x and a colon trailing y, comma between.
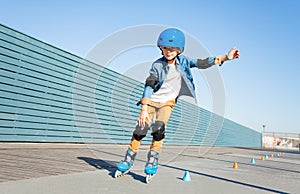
x: 225, y: 179
x: 110, y: 166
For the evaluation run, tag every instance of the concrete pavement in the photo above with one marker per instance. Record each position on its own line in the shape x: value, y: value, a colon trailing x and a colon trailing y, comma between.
x: 88, y: 168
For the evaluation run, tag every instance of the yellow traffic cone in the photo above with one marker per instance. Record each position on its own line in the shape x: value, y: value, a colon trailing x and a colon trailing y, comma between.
x: 235, y: 165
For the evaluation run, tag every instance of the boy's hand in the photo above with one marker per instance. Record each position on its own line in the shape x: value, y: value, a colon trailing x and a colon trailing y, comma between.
x: 143, y: 117
x: 233, y: 54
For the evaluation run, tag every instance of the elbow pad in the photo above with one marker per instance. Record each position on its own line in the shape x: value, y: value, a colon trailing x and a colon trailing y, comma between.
x: 151, y: 81
x: 203, y: 63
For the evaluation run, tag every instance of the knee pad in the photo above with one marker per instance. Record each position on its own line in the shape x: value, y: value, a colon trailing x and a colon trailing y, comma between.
x: 158, y: 130
x: 140, y: 132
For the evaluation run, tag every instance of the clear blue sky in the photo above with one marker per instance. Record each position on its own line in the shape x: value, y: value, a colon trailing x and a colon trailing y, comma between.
x: 262, y: 87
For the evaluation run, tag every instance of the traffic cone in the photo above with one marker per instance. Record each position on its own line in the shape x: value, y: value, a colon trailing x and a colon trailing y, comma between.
x: 262, y: 158
x: 252, y: 161
x: 266, y: 156
x: 281, y: 154
x: 235, y: 165
x: 186, y: 176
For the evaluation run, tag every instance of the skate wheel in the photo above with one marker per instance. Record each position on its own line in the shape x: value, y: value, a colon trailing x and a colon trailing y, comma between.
x: 118, y: 174
x: 148, y: 178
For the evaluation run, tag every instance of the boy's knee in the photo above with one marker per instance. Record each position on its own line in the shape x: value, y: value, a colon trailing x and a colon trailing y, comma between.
x: 140, y: 132
x: 158, y: 130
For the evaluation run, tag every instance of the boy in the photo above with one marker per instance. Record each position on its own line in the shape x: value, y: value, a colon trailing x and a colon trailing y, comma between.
x: 170, y: 77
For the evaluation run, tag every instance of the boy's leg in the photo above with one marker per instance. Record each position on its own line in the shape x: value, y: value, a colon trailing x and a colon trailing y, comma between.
x: 158, y: 132
x: 158, y: 128
x: 140, y: 132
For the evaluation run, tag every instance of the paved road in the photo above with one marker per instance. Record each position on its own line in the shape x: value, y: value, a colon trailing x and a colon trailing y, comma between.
x: 88, y: 168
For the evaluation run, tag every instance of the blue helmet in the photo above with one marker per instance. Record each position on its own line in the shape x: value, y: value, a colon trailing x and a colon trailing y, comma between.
x: 171, y: 37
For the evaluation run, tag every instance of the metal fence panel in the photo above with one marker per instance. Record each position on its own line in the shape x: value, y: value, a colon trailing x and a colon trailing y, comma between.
x: 45, y: 98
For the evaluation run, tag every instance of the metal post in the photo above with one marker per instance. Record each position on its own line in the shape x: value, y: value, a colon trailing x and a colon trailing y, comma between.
x: 262, y: 137
x: 299, y: 142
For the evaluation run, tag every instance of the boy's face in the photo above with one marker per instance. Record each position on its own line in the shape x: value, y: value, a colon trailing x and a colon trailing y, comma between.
x: 170, y: 52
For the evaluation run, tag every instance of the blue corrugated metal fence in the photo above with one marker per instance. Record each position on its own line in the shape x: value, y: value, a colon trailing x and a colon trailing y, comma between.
x: 50, y: 95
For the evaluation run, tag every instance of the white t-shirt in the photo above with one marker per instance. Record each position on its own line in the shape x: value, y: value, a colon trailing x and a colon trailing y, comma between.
x: 170, y: 87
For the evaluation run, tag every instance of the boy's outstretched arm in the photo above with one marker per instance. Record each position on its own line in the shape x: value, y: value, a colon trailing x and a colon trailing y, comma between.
x: 231, y: 55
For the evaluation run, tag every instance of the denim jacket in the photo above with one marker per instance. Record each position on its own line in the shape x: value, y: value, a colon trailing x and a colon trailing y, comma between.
x: 160, y: 69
